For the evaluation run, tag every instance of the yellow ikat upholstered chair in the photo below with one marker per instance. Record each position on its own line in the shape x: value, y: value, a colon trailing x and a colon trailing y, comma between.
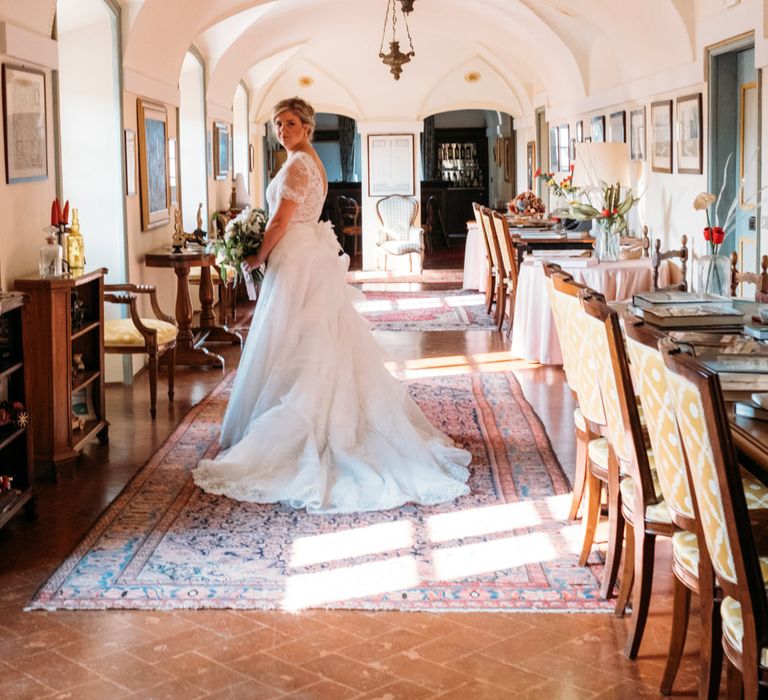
x: 692, y: 573
x: 642, y: 503
x: 725, y: 531
x: 155, y: 337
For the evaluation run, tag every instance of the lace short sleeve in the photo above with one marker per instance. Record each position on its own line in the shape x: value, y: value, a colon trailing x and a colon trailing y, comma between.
x: 294, y: 184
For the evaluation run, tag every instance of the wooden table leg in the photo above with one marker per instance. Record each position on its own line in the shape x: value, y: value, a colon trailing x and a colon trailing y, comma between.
x: 186, y: 352
x: 213, y: 333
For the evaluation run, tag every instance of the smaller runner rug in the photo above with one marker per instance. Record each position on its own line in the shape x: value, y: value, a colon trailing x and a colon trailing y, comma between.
x: 438, y: 310
x: 163, y: 544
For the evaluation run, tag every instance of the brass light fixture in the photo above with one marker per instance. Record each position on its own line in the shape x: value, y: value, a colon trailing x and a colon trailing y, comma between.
x: 406, y: 6
x: 395, y: 58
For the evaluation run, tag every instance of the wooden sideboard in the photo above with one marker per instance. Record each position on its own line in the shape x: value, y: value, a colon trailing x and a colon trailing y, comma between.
x: 63, y: 318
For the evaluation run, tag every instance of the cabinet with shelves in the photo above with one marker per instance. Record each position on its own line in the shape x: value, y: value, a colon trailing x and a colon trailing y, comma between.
x: 64, y: 344
x: 15, y: 434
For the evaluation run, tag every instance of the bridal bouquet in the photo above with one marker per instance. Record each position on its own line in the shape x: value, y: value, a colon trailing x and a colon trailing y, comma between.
x: 242, y: 237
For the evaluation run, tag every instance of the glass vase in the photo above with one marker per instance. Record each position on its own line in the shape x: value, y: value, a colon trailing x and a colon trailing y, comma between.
x: 606, y: 233
x: 714, y: 275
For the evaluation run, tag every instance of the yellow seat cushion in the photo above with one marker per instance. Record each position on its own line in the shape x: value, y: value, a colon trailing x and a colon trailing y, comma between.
x: 598, y: 452
x: 656, y: 513
x: 755, y: 492
x: 685, y: 550
x: 733, y: 625
x: 120, y: 332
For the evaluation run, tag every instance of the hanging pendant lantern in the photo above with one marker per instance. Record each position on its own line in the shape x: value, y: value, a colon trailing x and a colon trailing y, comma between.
x: 395, y: 59
x: 406, y: 6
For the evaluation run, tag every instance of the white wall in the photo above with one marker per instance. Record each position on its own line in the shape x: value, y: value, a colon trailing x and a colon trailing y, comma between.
x: 192, y: 147
x: 91, y: 148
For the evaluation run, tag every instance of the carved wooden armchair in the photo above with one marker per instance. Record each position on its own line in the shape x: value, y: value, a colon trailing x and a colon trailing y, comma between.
x: 658, y: 256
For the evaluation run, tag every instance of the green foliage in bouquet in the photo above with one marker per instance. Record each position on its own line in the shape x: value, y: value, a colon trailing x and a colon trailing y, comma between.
x: 242, y: 238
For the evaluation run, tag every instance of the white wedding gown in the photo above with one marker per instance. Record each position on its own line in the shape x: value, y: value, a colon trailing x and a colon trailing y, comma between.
x: 315, y: 420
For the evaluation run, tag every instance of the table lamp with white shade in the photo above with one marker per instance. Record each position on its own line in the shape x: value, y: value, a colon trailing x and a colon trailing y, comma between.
x: 603, y: 170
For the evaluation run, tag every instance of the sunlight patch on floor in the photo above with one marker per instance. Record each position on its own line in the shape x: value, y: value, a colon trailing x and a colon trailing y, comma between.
x: 306, y: 590
x: 487, y: 557
x: 482, y: 521
x: 355, y: 542
x: 467, y: 300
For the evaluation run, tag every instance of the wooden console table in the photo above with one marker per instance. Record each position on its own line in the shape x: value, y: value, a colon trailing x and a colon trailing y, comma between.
x: 189, y: 350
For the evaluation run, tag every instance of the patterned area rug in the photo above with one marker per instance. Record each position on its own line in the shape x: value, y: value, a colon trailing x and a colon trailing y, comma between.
x: 426, y: 276
x: 163, y: 544
x: 439, y: 310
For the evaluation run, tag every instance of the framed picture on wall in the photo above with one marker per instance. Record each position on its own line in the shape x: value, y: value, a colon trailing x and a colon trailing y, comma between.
x: 26, y: 143
x: 690, y: 146
x: 220, y: 150
x: 391, y: 165
x: 553, y: 149
x: 598, y: 128
x: 748, y: 146
x: 154, y: 186
x: 637, y: 134
x: 130, y: 163
x: 580, y: 131
x: 661, y: 136
x: 618, y: 124
x: 509, y: 159
x: 530, y: 162
x: 251, y: 158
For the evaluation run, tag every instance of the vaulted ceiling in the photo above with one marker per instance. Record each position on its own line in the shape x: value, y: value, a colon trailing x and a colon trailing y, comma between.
x: 527, y: 52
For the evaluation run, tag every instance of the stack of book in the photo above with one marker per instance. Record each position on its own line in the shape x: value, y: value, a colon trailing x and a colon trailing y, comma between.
x: 687, y: 310
x: 758, y: 328
x: 741, y: 363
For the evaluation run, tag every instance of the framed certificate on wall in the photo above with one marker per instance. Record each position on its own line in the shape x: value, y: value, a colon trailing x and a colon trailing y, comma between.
x: 391, y: 165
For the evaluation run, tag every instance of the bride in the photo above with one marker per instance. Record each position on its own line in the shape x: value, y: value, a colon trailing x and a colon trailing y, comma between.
x: 315, y: 420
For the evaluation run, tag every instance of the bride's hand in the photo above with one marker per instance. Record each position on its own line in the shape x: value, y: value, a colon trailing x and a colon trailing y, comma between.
x: 251, y: 263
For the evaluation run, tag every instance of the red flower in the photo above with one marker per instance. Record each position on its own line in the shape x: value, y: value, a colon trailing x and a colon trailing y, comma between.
x: 718, y: 235
x: 537, y: 173
x: 707, y: 233
x: 571, y: 166
x: 606, y: 212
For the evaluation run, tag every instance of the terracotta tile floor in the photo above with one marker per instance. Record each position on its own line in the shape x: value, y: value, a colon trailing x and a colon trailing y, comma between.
x: 313, y: 655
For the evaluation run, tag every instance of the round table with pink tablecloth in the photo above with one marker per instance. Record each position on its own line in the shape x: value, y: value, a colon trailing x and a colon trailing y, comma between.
x: 534, y: 337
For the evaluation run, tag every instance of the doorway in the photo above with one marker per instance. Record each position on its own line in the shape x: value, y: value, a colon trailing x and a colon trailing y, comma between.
x: 734, y: 153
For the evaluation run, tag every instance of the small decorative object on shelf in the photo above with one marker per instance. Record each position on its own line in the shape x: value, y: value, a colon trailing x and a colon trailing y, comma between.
x: 13, y: 412
x: 78, y: 366
x: 51, y: 260
x: 75, y: 245
x: 5, y: 483
x: 78, y: 311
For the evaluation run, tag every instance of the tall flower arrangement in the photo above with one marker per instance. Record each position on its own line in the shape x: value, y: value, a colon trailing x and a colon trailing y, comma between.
x: 242, y: 237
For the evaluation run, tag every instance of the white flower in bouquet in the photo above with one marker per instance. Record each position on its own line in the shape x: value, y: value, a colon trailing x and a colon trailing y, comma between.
x: 242, y: 237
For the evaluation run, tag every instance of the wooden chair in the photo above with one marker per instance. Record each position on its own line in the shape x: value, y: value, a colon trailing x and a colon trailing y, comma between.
x: 433, y: 219
x: 725, y: 532
x: 397, y: 233
x: 492, y: 257
x: 692, y: 572
x: 585, y: 431
x: 509, y: 260
x: 658, y: 257
x: 759, y: 279
x: 154, y: 336
x: 600, y: 468
x: 642, y: 504
x: 349, y: 221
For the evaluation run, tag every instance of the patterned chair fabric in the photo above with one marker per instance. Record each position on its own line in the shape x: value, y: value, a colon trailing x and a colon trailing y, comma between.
x: 397, y: 234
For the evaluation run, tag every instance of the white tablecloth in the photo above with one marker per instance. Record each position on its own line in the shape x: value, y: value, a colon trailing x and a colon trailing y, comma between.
x: 533, y: 333
x: 475, y: 262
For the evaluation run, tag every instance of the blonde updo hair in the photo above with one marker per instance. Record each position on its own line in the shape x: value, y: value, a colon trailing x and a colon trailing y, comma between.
x: 302, y: 109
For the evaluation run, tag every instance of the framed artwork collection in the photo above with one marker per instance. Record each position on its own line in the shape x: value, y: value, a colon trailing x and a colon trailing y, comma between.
x: 391, y: 165
x: 220, y: 150
x: 24, y: 116
x: 690, y: 145
x: 661, y: 136
x: 618, y: 124
x: 598, y: 129
x: 154, y: 183
x: 637, y: 134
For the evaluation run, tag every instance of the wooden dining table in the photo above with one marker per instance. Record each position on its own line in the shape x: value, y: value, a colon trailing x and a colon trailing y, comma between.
x: 190, y: 348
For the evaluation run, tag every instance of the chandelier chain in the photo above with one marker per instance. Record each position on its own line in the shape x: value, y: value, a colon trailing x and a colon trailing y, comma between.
x: 384, y: 28
x: 408, y: 30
